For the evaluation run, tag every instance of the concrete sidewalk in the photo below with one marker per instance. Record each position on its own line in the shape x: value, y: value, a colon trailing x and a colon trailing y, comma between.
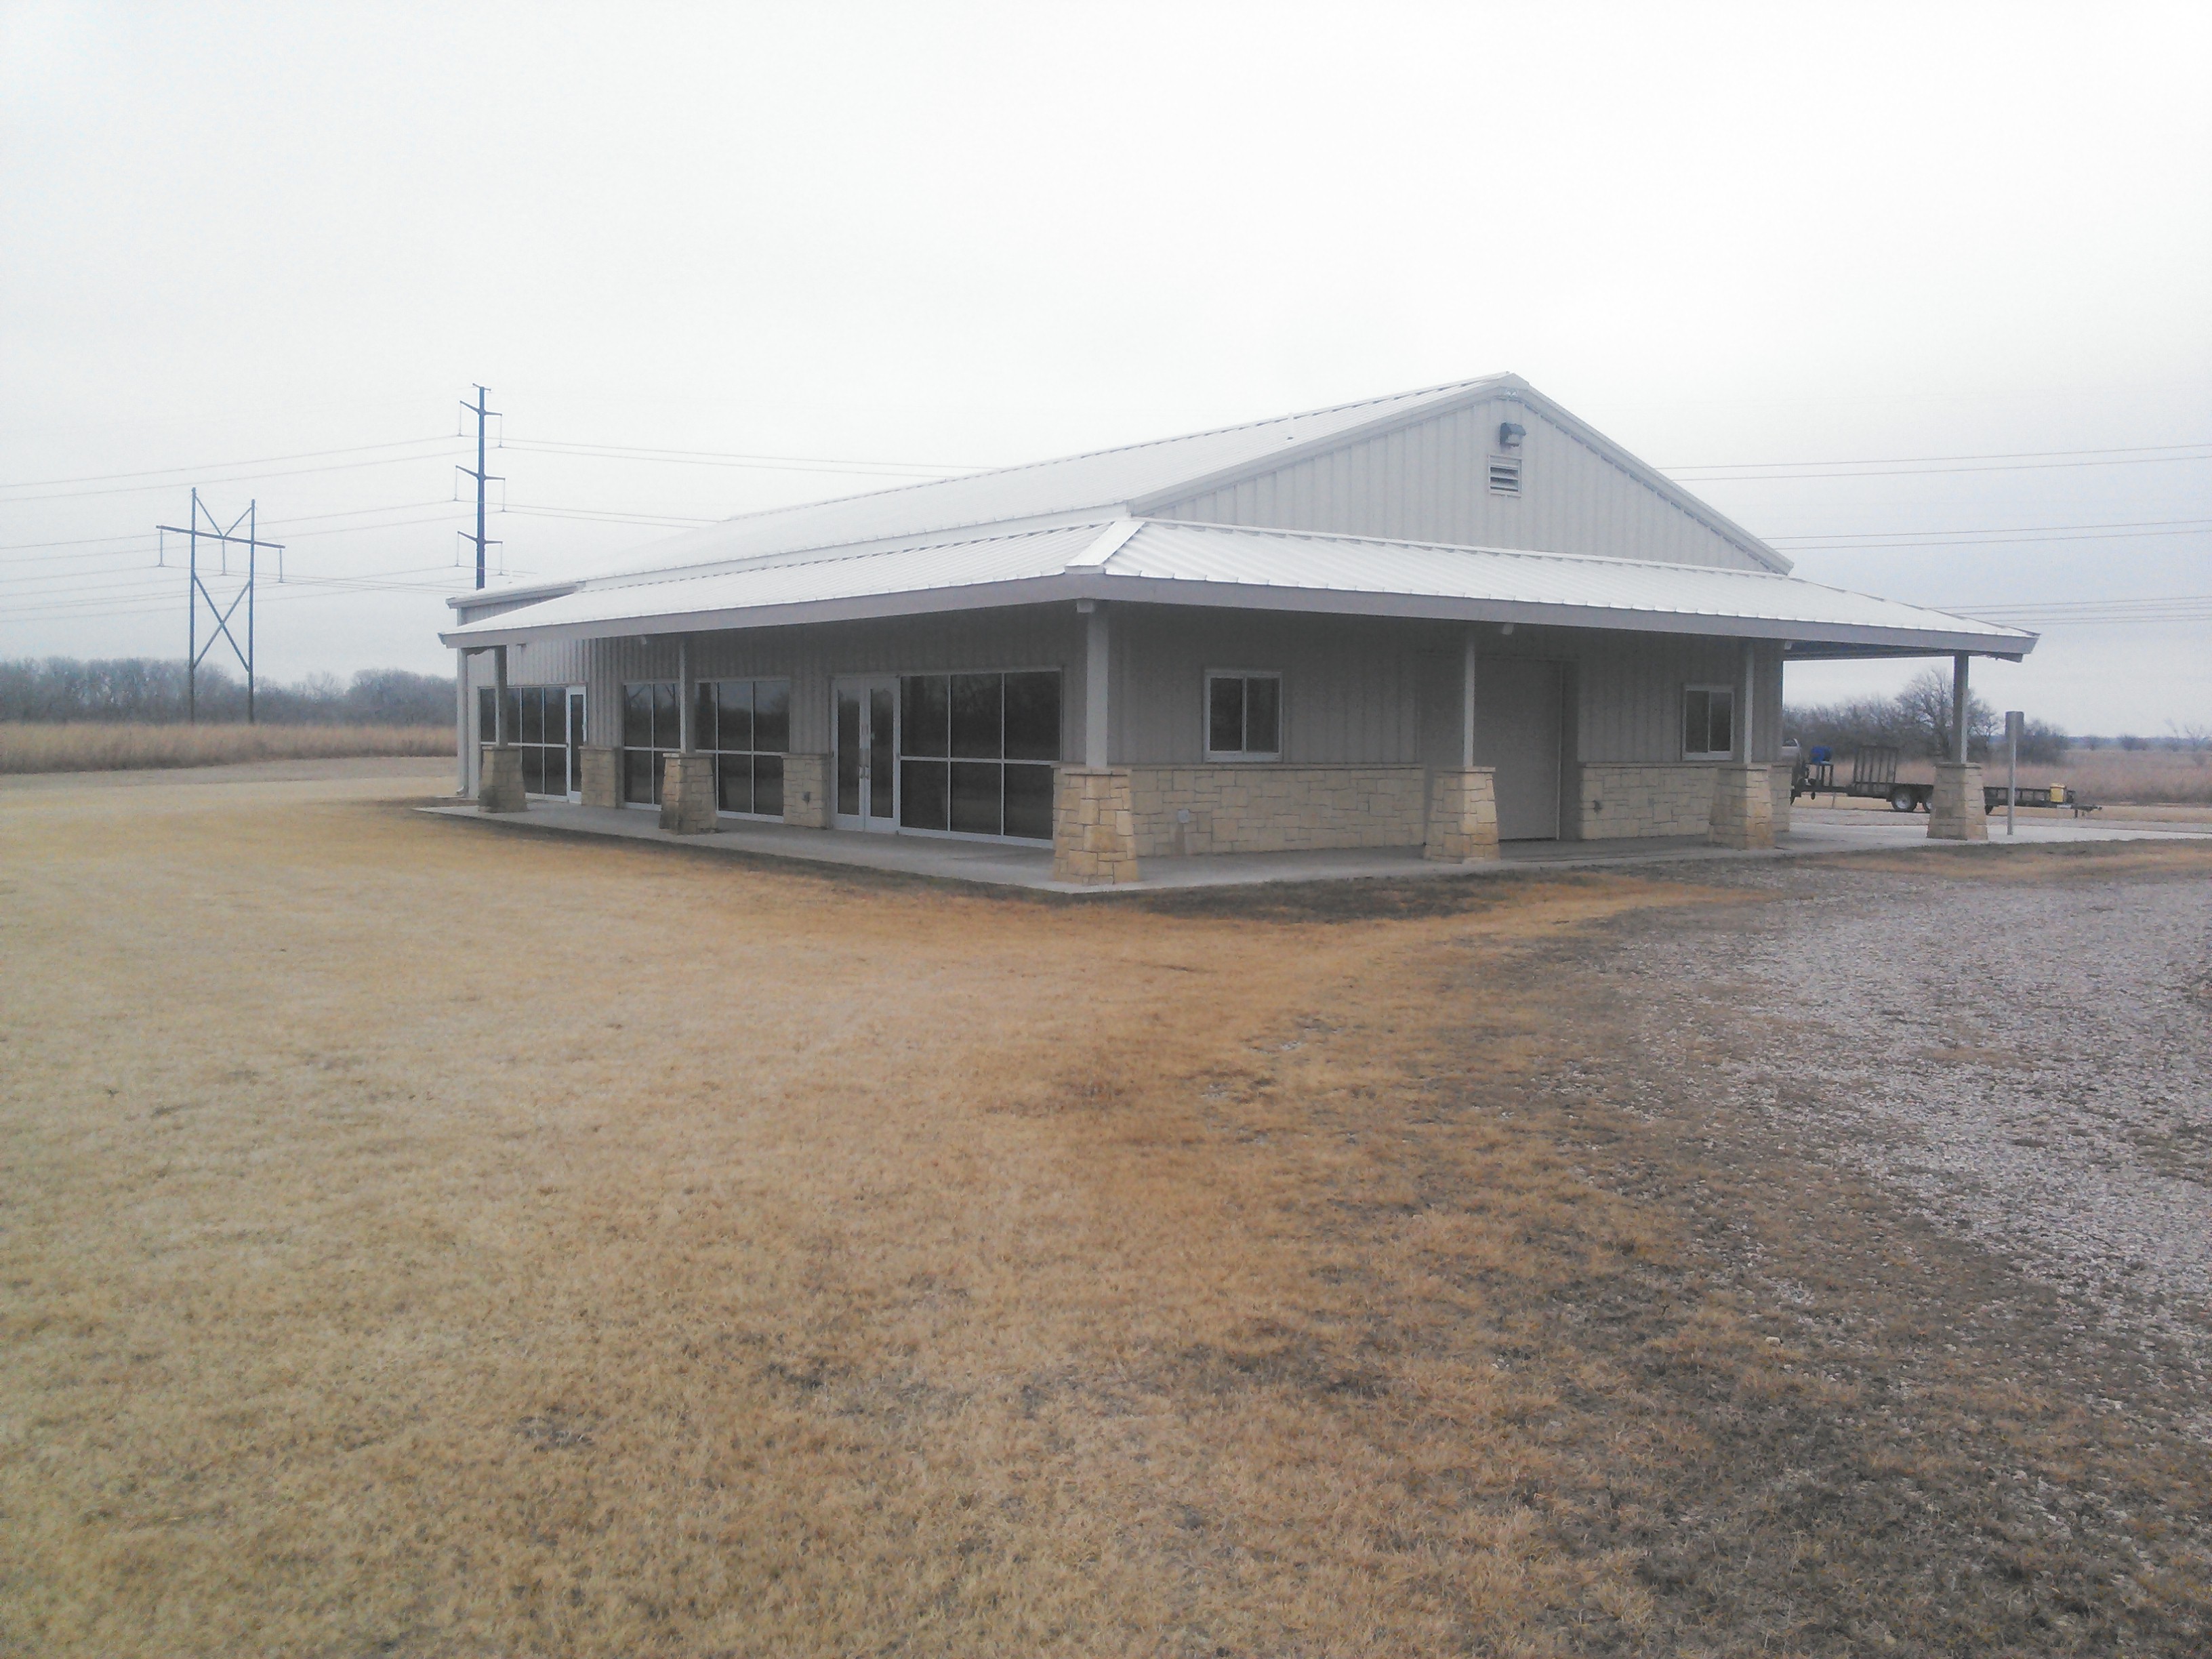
x: 1814, y: 831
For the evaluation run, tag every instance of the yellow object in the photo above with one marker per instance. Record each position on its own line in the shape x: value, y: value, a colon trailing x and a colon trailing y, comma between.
x: 2058, y: 794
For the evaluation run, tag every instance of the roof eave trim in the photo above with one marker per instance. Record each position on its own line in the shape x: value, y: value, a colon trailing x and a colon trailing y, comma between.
x: 1176, y: 590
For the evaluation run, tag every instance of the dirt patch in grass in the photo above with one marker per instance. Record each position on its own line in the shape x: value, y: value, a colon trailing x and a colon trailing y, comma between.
x: 431, y: 1243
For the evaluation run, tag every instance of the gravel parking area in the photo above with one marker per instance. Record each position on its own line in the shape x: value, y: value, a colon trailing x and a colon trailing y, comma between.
x: 2029, y: 1062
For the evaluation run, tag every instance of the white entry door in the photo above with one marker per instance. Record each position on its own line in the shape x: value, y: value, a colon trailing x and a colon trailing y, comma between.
x: 576, y: 742
x: 867, y: 724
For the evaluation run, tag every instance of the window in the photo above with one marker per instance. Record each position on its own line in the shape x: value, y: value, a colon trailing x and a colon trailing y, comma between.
x: 975, y: 752
x: 1708, y: 722
x: 1505, y: 475
x: 746, y: 724
x: 649, y: 734
x: 1244, y: 715
x: 537, y: 723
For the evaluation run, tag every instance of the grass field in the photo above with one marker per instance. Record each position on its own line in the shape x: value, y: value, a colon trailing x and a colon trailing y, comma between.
x: 425, y: 1238
x: 2146, y: 776
x: 101, y: 746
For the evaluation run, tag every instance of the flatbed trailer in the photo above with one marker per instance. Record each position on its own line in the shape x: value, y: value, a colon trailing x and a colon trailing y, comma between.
x: 1873, y: 777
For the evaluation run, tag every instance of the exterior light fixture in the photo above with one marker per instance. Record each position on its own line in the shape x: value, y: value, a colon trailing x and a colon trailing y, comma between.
x: 1510, y: 434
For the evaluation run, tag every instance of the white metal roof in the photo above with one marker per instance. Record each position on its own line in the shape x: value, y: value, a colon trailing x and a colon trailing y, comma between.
x: 1105, y: 478
x: 1131, y: 479
x: 1166, y: 561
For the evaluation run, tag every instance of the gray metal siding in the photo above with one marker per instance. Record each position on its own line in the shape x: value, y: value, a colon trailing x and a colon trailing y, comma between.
x: 1384, y: 692
x: 1351, y: 688
x: 1429, y: 481
x: 1355, y: 690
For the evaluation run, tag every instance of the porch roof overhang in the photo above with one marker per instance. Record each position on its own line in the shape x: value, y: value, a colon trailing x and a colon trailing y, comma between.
x: 1166, y: 561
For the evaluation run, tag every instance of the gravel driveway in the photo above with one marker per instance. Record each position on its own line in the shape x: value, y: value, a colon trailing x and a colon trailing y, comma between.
x: 2029, y: 1062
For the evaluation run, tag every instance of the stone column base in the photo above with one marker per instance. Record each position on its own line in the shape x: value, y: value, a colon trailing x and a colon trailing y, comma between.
x: 807, y: 790
x: 499, y: 781
x: 1462, y: 816
x: 601, y: 783
x: 1956, y: 812
x: 1743, y: 808
x: 687, y: 794
x: 1094, y: 825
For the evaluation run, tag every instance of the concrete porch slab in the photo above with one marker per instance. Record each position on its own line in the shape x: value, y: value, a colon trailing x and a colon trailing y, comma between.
x: 997, y: 863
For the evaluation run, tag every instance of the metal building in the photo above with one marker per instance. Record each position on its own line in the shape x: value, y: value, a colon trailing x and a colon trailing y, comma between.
x: 1434, y: 620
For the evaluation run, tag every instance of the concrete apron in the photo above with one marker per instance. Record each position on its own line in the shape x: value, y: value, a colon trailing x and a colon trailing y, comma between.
x: 1026, y: 865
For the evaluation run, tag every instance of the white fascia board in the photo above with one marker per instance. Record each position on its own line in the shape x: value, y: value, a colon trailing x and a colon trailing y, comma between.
x: 1230, y: 596
x: 478, y: 598
x: 1169, y: 590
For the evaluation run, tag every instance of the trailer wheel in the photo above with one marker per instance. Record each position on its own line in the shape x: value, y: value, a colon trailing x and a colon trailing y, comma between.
x: 1900, y: 799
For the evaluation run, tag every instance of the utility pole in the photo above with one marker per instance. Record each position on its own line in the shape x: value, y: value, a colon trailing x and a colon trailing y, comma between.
x: 481, y: 478
x: 198, y: 590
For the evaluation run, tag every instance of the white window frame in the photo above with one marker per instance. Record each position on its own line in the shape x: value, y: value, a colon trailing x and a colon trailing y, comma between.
x: 1682, y: 721
x: 1205, y: 715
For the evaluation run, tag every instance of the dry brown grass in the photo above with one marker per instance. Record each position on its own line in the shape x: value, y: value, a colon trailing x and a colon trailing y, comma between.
x: 424, y: 1239
x: 2150, y: 776
x: 101, y: 746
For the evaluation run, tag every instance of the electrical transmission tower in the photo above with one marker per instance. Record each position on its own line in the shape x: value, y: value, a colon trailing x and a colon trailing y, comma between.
x: 481, y: 478
x: 198, y: 590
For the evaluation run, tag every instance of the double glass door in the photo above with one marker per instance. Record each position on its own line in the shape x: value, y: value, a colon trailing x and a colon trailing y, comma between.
x: 868, y: 746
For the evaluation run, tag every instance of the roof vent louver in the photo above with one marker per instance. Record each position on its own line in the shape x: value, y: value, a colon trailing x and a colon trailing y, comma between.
x: 1505, y: 475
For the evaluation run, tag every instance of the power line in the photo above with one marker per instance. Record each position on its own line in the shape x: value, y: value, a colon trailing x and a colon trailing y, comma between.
x: 529, y: 510
x: 216, y: 466
x: 1869, y: 537
x: 1916, y: 460
x: 337, y: 530
x: 240, y: 478
x: 1933, y: 471
x: 725, y: 457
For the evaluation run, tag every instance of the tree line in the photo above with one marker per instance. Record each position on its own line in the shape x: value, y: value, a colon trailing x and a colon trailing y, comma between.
x: 1918, y: 721
x: 152, y: 690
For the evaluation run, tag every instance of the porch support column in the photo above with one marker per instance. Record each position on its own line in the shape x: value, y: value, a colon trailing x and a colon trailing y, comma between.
x: 1098, y: 669
x: 461, y: 720
x: 687, y: 784
x: 498, y: 777
x: 1463, y: 826
x: 1467, y: 703
x: 1094, y: 829
x: 1743, y: 790
x: 1957, y: 810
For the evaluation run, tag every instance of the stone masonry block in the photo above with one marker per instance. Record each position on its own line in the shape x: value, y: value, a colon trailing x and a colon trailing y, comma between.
x: 601, y: 785
x: 1742, y: 813
x: 807, y: 790
x: 1462, y: 816
x: 687, y: 794
x: 499, y: 779
x: 1093, y: 826
x: 1956, y: 812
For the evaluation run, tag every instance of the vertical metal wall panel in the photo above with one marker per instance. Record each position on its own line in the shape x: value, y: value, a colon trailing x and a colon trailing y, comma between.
x: 1429, y: 480
x: 1350, y: 691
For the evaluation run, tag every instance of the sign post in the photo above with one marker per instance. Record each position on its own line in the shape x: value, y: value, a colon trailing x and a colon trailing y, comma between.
x: 2013, y: 720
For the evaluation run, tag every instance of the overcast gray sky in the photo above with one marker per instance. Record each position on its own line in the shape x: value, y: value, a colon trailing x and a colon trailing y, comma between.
x: 950, y: 235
